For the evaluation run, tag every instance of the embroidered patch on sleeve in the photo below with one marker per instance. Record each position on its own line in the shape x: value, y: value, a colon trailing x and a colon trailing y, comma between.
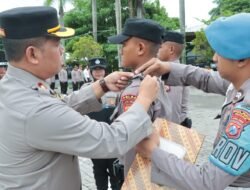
x: 127, y: 101
x: 240, y: 118
x: 232, y: 152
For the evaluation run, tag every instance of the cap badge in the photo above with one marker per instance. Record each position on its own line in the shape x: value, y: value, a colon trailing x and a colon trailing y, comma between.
x: 97, y: 62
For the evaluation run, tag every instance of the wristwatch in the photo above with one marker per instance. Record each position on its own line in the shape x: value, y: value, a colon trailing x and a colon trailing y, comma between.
x: 103, y: 85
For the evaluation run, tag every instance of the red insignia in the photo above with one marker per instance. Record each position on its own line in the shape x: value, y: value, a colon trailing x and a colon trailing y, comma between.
x: 127, y: 101
x: 41, y: 85
x: 239, y: 119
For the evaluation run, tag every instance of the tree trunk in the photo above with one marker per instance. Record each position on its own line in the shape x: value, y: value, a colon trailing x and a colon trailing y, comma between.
x: 61, y: 22
x: 94, y: 19
x: 182, y: 27
x: 139, y: 9
x: 118, y: 26
x: 131, y: 8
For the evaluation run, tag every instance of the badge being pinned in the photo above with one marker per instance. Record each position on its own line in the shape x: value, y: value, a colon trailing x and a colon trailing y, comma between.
x: 127, y: 101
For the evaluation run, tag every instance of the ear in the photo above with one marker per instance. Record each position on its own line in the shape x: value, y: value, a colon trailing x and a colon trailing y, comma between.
x: 141, y: 48
x: 172, y: 49
x: 242, y: 63
x: 32, y: 54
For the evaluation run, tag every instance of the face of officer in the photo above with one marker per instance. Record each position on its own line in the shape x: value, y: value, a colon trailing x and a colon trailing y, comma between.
x: 136, y: 51
x: 98, y: 73
x: 165, y: 51
x: 228, y: 68
x: 41, y: 56
x: 170, y: 51
x: 50, y: 57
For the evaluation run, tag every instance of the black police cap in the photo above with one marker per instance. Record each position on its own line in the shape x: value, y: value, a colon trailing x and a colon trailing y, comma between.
x: 97, y: 63
x: 29, y: 22
x: 172, y: 36
x: 142, y: 28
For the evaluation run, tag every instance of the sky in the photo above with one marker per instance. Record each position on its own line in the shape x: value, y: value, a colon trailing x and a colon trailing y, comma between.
x: 195, y: 9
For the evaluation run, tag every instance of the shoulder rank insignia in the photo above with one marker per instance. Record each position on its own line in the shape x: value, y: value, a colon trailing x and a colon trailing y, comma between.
x: 43, y: 89
x: 127, y: 101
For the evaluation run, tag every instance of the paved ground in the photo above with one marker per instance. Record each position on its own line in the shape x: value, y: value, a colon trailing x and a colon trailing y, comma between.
x: 203, y: 109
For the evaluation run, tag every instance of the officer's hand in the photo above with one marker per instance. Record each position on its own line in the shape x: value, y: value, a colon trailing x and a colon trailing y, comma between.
x: 147, y: 145
x: 117, y: 81
x: 148, y: 91
x: 154, y: 67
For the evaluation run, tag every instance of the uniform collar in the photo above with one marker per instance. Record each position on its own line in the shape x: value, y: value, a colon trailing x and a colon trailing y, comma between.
x: 245, y: 89
x: 243, y: 92
x: 22, y: 75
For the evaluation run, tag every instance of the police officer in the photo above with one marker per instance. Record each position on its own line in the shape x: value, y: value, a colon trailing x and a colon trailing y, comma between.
x: 103, y: 168
x: 63, y: 78
x: 80, y: 76
x: 41, y: 133
x: 229, y: 162
x: 140, y: 39
x: 171, y: 50
x: 75, y: 78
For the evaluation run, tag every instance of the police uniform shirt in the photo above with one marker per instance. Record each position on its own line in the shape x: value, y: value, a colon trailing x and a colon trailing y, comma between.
x: 40, y: 133
x: 63, y: 76
x: 229, y: 162
x: 158, y: 109
x: 80, y: 75
x: 178, y: 96
x: 74, y: 76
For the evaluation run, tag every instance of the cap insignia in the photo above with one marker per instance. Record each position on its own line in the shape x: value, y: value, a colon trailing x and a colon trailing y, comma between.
x: 97, y: 62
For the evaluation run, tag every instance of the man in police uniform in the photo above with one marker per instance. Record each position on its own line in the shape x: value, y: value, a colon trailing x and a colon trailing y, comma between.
x: 229, y: 162
x: 171, y: 50
x: 63, y: 78
x: 75, y: 78
x: 141, y: 40
x: 40, y: 133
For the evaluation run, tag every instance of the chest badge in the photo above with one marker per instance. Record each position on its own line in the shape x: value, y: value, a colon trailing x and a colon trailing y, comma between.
x: 127, y: 101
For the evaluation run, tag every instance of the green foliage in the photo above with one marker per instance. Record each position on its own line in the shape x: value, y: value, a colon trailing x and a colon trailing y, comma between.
x: 223, y: 8
x: 154, y: 11
x: 202, y: 47
x: 85, y: 47
x: 229, y: 7
x: 110, y: 53
x: 80, y: 18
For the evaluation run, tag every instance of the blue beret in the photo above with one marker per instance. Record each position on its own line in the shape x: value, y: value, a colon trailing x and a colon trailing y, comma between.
x: 230, y: 36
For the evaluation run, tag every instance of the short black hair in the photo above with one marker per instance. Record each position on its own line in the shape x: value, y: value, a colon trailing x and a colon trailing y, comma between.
x: 15, y: 48
x: 154, y: 48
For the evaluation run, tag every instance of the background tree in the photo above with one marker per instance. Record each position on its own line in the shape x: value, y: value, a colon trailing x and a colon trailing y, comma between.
x: 94, y: 19
x: 229, y: 7
x: 80, y: 18
x: 202, y: 48
x: 154, y: 11
x: 85, y: 46
x: 223, y: 8
x: 61, y: 4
